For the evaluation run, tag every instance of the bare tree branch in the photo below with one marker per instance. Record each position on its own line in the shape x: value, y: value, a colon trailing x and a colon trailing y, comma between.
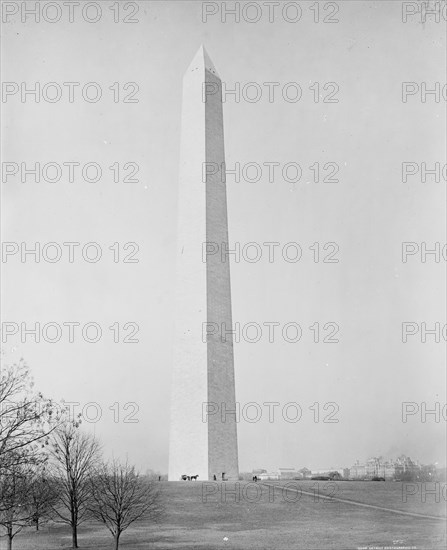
x: 120, y: 497
x: 27, y: 418
x: 74, y: 455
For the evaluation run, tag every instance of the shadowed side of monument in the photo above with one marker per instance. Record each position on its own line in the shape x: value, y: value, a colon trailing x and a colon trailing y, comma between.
x: 222, y: 437
x: 203, y: 372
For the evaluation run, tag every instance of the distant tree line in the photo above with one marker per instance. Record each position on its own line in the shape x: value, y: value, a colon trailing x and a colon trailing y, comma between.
x: 51, y: 470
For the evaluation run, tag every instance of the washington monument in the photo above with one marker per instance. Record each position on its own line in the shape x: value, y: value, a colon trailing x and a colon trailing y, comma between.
x: 203, y: 439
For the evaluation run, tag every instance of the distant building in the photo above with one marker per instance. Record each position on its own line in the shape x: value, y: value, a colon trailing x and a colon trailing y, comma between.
x: 305, y: 472
x: 268, y: 476
x: 375, y: 467
x: 289, y: 473
x: 357, y: 471
x: 329, y: 472
x: 402, y: 468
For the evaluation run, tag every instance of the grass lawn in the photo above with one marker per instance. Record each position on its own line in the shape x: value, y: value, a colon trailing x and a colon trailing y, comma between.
x: 206, y: 516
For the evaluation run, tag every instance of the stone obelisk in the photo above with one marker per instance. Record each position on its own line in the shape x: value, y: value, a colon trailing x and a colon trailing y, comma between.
x: 203, y: 371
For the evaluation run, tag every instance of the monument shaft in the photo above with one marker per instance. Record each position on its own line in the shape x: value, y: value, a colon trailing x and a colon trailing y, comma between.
x: 203, y: 371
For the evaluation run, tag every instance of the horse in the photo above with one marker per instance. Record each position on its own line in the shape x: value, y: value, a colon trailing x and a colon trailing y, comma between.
x: 194, y: 477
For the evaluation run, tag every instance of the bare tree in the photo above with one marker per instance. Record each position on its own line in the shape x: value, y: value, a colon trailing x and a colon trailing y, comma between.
x: 75, y: 454
x: 15, y: 512
x: 121, y: 497
x: 26, y: 417
x: 42, y: 496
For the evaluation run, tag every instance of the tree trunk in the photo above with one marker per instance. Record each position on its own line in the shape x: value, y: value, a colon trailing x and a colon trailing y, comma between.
x: 117, y: 541
x: 37, y: 524
x: 10, y: 536
x: 74, y: 536
x: 74, y: 523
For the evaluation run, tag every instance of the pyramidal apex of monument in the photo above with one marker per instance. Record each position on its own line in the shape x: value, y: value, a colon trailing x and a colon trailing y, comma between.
x: 202, y: 60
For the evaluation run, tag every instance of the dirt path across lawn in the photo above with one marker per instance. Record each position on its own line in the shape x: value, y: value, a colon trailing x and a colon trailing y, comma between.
x: 354, y: 502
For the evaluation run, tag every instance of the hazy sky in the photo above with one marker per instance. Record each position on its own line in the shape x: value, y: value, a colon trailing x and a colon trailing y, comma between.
x: 368, y: 133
